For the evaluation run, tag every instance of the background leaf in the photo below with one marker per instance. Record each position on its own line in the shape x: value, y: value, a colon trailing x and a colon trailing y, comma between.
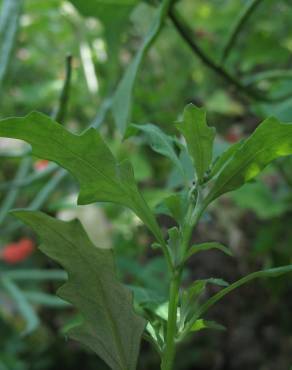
x: 110, y: 327
x: 9, y: 23
x: 112, y: 13
x: 122, y: 99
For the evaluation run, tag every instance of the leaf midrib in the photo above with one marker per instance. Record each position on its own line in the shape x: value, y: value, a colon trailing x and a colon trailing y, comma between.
x: 250, y: 158
x: 104, y: 298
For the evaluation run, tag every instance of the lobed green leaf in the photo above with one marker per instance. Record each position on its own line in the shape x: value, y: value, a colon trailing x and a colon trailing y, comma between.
x: 87, y: 158
x: 110, y: 327
x: 199, y: 137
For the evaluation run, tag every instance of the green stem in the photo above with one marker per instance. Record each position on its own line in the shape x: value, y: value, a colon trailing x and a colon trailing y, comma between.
x: 170, y: 348
x: 192, y: 218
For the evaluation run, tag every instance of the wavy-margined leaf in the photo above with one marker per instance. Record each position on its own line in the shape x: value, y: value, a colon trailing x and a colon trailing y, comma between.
x: 199, y: 137
x: 122, y: 99
x: 87, y: 158
x: 271, y: 140
x: 110, y: 327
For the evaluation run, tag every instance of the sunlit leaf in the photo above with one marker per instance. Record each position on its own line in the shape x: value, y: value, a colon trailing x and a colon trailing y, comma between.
x: 271, y: 140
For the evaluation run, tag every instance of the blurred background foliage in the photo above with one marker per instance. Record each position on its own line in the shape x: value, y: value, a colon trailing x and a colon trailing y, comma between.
x: 36, y: 37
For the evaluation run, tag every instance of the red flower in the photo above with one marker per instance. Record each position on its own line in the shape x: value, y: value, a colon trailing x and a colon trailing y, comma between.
x: 17, y: 252
x: 233, y: 134
x: 41, y: 164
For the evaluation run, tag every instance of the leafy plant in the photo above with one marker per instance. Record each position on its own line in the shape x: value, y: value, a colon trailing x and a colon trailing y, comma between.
x: 110, y: 326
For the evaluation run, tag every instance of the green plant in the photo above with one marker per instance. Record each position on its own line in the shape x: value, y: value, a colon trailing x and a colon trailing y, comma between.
x: 109, y: 325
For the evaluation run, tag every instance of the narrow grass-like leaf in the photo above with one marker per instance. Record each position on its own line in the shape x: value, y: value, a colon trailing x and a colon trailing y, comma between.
x: 9, y: 23
x: 45, y: 299
x: 271, y: 140
x: 11, y: 196
x: 87, y: 158
x: 199, y: 137
x: 205, y: 247
x: 110, y: 326
x: 270, y: 273
x: 36, y: 275
x: 121, y: 107
x: 25, y: 308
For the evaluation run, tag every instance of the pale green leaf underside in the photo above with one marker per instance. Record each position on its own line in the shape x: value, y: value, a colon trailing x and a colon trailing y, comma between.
x: 199, y: 137
x: 110, y: 326
x: 271, y: 140
x: 161, y: 143
x: 122, y: 99
x: 87, y: 158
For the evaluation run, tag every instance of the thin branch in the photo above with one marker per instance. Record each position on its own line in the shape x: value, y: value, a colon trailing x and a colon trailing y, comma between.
x: 237, y: 27
x: 61, y: 110
x: 186, y: 33
x: 276, y: 74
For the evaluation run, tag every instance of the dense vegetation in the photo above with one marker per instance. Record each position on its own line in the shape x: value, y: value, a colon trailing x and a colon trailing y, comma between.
x: 181, y: 211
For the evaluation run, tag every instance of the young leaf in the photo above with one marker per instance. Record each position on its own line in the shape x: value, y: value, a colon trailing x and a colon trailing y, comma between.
x: 191, y: 296
x: 201, y: 324
x: 274, y: 272
x: 207, y: 246
x: 161, y: 143
x: 122, y: 99
x: 87, y: 158
x: 272, y: 139
x: 110, y: 327
x: 199, y: 137
x: 177, y: 205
